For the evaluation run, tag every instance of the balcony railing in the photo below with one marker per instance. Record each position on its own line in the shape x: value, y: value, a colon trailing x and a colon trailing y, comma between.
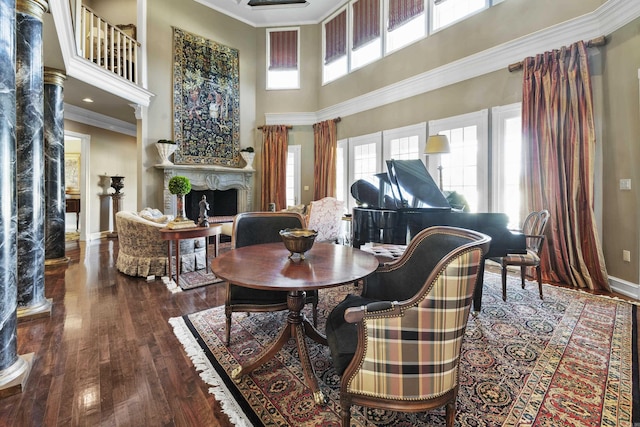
x: 106, y: 45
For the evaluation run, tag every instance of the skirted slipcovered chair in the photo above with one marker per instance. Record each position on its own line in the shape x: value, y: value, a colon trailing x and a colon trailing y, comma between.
x: 325, y: 217
x: 533, y: 229
x: 397, y: 346
x: 253, y: 228
x: 141, y: 250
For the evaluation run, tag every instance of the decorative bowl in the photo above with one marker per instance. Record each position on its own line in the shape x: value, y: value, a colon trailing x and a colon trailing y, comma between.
x: 298, y: 240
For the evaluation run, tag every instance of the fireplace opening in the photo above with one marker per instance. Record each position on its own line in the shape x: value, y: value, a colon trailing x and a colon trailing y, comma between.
x: 223, y: 204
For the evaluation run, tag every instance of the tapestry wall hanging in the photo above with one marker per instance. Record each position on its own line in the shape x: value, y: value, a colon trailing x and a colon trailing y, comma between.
x: 206, y: 101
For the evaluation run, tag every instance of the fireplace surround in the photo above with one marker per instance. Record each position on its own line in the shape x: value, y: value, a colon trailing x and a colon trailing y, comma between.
x: 210, y: 177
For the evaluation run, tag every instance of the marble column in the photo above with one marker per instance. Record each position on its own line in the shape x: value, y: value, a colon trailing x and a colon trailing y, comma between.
x: 55, y: 204
x: 30, y: 159
x: 14, y: 369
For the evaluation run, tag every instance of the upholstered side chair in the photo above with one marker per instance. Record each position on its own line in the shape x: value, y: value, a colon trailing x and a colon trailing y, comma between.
x: 397, y: 346
x: 533, y: 228
x: 325, y: 217
x: 253, y: 228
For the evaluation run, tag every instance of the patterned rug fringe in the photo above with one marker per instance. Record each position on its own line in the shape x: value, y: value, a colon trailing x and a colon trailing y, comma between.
x: 171, y: 285
x: 208, y: 373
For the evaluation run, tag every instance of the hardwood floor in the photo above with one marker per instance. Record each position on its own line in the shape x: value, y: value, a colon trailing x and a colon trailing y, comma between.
x: 107, y: 356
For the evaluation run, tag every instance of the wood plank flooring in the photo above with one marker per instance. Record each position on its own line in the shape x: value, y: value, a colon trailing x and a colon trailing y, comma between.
x: 107, y: 356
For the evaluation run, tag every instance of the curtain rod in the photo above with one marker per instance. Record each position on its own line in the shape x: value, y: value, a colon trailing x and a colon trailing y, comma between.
x: 598, y: 41
x: 336, y: 120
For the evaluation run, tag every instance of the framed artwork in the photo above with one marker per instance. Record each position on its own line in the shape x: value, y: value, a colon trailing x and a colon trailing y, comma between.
x: 206, y: 105
x: 72, y: 173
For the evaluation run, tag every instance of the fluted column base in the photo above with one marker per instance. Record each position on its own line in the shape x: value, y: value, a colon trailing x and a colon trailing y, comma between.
x: 35, y: 311
x: 56, y: 261
x: 14, y: 378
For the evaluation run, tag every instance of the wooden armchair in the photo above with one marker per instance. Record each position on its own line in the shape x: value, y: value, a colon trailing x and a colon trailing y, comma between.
x: 397, y: 346
x: 253, y: 228
x: 533, y: 229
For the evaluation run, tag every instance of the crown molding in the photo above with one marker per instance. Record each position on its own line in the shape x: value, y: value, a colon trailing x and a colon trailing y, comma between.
x: 609, y: 17
x: 91, y: 118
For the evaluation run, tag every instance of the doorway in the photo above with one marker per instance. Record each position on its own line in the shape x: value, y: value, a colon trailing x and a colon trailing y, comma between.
x: 76, y: 159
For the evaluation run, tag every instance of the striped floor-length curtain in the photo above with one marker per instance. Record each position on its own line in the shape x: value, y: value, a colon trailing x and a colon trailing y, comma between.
x: 558, y: 162
x: 274, y: 166
x: 325, y: 142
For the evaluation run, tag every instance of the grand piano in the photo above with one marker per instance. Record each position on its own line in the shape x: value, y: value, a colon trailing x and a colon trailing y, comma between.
x: 407, y: 200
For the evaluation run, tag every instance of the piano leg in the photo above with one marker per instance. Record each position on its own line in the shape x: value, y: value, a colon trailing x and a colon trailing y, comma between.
x: 477, y: 293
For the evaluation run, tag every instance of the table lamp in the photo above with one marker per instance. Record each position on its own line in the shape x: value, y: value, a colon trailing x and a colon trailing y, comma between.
x: 437, y: 144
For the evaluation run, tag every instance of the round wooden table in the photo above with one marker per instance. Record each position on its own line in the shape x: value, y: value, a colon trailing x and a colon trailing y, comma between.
x: 268, y: 267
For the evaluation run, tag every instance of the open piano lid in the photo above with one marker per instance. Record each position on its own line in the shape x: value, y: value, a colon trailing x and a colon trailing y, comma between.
x: 413, y: 186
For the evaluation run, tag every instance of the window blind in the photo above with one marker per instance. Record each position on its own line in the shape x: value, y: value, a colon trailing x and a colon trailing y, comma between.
x: 283, y: 50
x: 366, y: 22
x: 335, y: 38
x: 401, y: 11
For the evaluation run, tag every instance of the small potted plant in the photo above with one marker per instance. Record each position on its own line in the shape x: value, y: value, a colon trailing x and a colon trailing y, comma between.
x: 248, y: 155
x: 166, y: 147
x: 180, y: 185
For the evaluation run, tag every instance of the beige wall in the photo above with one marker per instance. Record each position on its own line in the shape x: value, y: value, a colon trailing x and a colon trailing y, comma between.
x: 615, y: 88
x: 110, y: 153
x: 157, y: 124
x: 615, y: 80
x: 621, y: 152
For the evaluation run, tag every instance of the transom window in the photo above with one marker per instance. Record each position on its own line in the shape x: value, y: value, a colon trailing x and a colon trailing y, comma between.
x: 353, y: 36
x: 446, y: 12
x: 283, y: 52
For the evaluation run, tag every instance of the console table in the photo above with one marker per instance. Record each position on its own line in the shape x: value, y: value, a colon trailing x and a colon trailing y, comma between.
x: 190, y: 233
x: 73, y: 205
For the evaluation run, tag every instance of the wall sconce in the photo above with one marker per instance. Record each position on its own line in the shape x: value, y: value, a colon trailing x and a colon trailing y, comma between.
x: 437, y: 144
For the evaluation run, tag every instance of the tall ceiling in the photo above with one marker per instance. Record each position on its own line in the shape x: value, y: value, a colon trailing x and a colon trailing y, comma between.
x: 275, y: 12
x: 312, y: 12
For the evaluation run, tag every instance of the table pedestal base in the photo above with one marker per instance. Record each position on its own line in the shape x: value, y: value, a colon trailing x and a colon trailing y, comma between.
x: 297, y: 327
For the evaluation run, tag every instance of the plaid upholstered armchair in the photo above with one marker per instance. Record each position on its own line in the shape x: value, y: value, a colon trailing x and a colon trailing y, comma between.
x: 397, y: 346
x: 253, y: 228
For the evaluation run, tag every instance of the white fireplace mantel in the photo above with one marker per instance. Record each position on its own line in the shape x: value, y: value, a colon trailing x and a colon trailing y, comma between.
x: 210, y: 177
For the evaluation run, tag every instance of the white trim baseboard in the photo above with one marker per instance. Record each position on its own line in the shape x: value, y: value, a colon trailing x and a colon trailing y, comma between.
x: 631, y: 290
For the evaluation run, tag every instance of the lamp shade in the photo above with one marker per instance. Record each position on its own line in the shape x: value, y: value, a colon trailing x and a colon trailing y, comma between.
x: 437, y: 144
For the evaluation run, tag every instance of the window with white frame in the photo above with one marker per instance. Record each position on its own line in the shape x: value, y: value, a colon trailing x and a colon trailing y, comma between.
x: 506, y: 161
x: 404, y: 143
x: 465, y: 168
x: 293, y: 175
x: 353, y: 36
x: 342, y: 177
x: 366, y: 38
x: 283, y: 53
x: 334, y: 46
x: 405, y: 23
x: 446, y: 12
x: 365, y: 159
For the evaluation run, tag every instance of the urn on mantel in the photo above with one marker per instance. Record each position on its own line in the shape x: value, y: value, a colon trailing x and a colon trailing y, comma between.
x: 166, y: 148
x: 248, y: 155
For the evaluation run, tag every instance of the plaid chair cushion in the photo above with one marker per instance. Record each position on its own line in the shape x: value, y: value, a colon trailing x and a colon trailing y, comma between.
x: 415, y: 356
x: 530, y: 258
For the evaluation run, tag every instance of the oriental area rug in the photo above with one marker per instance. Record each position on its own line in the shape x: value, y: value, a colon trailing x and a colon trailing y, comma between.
x: 568, y: 360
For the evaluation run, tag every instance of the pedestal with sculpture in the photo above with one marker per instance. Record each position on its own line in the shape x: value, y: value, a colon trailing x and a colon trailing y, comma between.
x: 117, y: 183
x: 180, y: 185
x: 203, y: 218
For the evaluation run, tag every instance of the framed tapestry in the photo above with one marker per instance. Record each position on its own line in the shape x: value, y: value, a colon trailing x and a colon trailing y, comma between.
x: 206, y: 101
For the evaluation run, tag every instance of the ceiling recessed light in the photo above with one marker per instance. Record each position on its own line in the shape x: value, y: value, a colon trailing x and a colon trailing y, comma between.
x: 89, y: 100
